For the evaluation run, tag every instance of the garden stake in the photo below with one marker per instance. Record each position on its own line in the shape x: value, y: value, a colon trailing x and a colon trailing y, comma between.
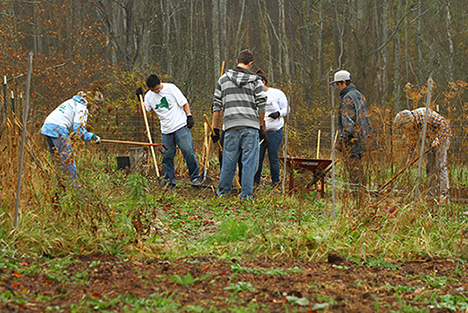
x: 423, y: 139
x: 149, y: 136
x: 207, y: 160
x: 333, y: 144
x: 205, y: 127
x: 318, y: 144
x: 219, y: 145
x: 23, y: 138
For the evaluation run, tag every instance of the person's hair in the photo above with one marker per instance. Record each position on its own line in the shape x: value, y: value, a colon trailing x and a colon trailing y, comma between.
x: 348, y: 82
x: 152, y: 81
x: 262, y: 76
x: 245, y: 57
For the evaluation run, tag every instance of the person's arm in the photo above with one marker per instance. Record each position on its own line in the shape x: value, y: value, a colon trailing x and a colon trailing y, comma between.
x: 443, y: 130
x: 217, y: 105
x: 190, y: 121
x: 262, y: 121
x: 79, y: 123
x: 283, y: 105
x: 347, y: 115
x: 187, y: 109
x: 215, y: 121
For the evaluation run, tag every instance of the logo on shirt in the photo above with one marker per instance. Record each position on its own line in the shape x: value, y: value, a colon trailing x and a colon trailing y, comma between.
x: 163, y: 104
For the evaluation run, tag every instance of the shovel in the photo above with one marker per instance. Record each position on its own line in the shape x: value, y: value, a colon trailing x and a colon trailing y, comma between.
x: 401, y: 171
x: 136, y: 143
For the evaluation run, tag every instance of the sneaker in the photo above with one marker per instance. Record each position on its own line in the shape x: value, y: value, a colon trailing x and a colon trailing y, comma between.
x: 197, y: 182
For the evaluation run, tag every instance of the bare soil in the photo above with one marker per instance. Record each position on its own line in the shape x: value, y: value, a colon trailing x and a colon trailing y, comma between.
x: 344, y: 285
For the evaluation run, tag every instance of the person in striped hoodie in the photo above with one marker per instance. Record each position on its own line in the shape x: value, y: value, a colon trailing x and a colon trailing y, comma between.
x: 241, y: 96
x: 437, y: 137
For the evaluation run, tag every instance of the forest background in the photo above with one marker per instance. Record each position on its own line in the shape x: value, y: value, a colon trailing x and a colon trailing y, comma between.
x: 390, y: 47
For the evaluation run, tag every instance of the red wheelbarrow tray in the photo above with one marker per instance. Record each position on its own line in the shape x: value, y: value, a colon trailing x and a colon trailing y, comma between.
x: 317, y: 166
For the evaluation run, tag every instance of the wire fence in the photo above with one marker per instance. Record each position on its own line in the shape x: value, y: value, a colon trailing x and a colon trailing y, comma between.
x: 308, y: 137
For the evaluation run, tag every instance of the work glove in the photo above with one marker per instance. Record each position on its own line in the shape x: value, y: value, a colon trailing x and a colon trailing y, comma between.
x: 139, y: 92
x: 264, y: 138
x: 216, y: 135
x: 96, y: 139
x: 190, y: 121
x: 274, y: 115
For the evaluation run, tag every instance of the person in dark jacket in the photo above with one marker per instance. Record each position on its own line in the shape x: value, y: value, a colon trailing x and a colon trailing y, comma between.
x: 355, y: 136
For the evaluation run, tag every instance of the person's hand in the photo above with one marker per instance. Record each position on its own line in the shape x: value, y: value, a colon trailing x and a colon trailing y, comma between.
x: 190, y: 121
x: 216, y: 135
x: 264, y: 138
x: 435, y: 143
x: 139, y: 92
x: 274, y: 115
x: 96, y: 138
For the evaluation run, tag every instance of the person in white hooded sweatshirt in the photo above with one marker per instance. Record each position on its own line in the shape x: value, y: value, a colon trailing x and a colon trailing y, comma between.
x: 275, y: 110
x: 69, y: 117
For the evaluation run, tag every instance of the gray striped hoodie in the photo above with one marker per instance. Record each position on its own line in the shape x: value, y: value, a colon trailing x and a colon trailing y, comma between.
x: 240, y: 93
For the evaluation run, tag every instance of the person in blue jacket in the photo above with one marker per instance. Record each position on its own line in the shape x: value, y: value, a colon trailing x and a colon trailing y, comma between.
x: 69, y: 117
x: 355, y: 136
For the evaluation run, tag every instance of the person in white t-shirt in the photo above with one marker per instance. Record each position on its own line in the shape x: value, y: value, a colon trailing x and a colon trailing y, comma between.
x: 275, y: 110
x: 70, y: 116
x: 176, y: 120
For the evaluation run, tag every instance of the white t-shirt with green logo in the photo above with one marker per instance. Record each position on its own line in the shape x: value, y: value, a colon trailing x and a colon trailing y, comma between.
x: 168, y: 105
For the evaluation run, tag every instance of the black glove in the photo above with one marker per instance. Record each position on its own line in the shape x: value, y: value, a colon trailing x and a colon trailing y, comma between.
x: 264, y: 138
x: 216, y: 135
x: 190, y: 121
x: 139, y: 92
x: 274, y: 115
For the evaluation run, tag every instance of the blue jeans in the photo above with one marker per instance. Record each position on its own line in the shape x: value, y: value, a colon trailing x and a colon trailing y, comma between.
x: 183, y: 139
x: 61, y: 150
x: 241, y: 142
x: 275, y: 137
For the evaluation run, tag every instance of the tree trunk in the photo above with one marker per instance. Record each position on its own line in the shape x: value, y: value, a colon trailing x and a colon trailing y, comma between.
x: 450, y: 41
x: 215, y: 37
x: 419, y: 44
x: 396, y: 67
x: 320, y: 41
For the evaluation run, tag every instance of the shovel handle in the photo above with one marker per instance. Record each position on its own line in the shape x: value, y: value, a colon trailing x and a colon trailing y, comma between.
x: 136, y: 143
x: 212, y: 131
x: 404, y: 169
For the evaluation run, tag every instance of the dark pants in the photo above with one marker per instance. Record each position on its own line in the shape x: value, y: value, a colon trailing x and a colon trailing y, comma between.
x: 356, y: 174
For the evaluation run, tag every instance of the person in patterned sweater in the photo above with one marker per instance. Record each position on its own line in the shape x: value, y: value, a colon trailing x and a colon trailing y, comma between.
x: 437, y: 136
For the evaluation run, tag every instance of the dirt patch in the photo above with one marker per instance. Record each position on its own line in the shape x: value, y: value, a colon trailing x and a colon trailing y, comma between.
x: 337, y: 285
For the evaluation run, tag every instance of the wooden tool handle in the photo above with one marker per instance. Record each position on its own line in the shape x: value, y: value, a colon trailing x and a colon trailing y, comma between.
x: 403, y: 169
x: 212, y: 131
